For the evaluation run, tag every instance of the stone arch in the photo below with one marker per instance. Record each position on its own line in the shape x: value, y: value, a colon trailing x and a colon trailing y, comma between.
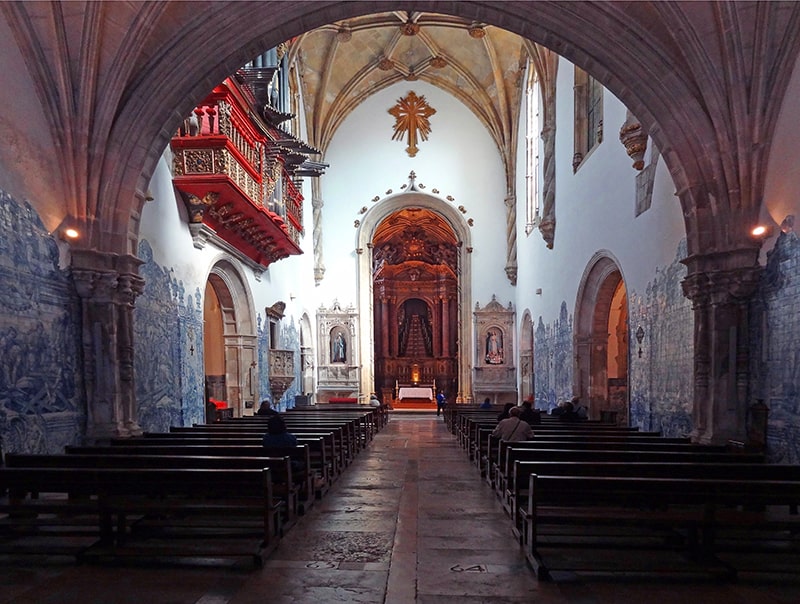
x: 697, y: 144
x: 238, y: 338
x: 364, y: 236
x: 599, y: 286
x: 527, y: 376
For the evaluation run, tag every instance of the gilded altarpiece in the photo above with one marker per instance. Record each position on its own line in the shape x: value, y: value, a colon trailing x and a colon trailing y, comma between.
x: 494, y: 371
x: 337, y: 355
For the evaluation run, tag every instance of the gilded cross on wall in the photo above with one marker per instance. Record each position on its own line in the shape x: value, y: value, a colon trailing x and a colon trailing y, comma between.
x: 411, y: 117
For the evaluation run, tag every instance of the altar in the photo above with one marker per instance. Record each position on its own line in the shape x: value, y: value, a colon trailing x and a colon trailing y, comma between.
x: 415, y: 392
x: 415, y: 397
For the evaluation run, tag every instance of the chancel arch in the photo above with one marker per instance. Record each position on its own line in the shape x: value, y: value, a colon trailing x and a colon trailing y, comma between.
x: 414, y: 284
x: 601, y: 338
x: 229, y: 339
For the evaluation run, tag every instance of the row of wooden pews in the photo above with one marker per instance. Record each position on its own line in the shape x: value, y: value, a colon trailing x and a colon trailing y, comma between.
x: 206, y: 491
x: 597, y: 498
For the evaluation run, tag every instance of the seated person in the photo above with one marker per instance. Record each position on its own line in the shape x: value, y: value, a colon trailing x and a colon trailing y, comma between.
x: 486, y: 404
x: 373, y: 400
x: 529, y: 414
x: 504, y: 414
x: 513, y: 428
x: 277, y: 435
x: 266, y: 409
x: 580, y: 410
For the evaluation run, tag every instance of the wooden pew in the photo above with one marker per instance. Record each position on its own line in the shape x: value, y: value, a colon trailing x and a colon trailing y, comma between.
x: 325, y: 449
x: 151, y: 513
x: 653, y: 510
x: 513, y: 487
x: 490, y: 450
x: 286, y: 492
x: 509, y: 452
x: 225, y: 448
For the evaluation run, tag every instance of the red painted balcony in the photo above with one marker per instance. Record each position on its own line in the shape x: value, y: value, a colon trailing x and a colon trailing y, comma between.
x: 233, y: 178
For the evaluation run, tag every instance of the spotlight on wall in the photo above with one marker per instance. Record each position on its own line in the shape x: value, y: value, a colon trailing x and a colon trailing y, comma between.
x: 70, y: 233
x: 68, y: 230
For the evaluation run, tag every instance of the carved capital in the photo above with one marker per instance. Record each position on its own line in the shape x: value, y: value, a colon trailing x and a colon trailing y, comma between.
x: 733, y: 286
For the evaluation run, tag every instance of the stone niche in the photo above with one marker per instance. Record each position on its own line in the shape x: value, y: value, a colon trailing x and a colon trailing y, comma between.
x: 494, y: 373
x: 337, y: 354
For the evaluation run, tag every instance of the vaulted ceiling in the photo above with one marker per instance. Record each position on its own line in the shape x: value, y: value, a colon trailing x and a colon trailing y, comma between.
x: 343, y: 63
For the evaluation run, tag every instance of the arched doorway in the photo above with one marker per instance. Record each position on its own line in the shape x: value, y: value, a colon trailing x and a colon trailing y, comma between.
x: 414, y: 261
x: 527, y: 385
x: 415, y: 302
x: 229, y: 340
x: 601, y: 339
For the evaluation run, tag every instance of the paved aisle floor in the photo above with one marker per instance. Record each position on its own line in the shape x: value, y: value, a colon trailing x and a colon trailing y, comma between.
x: 410, y: 521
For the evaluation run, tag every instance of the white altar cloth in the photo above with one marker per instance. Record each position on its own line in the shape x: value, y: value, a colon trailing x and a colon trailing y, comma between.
x: 415, y: 392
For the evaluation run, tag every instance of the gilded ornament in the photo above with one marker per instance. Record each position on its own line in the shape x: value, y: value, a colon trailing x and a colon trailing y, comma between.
x: 438, y: 62
x: 412, y: 115
x: 385, y: 64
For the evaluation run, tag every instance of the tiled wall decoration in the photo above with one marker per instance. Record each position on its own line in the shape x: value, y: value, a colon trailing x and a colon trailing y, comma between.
x: 42, y: 405
x: 168, y: 356
x: 775, y: 355
x: 552, y: 354
x: 660, y: 391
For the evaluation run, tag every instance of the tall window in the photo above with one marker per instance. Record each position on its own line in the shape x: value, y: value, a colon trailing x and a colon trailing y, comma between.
x: 594, y: 112
x: 588, y: 115
x: 532, y: 97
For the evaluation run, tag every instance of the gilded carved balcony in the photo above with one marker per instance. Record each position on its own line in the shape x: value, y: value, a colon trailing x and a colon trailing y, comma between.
x: 230, y: 167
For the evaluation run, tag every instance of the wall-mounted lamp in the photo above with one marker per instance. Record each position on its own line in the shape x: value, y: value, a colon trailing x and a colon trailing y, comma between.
x: 69, y: 234
x: 760, y: 232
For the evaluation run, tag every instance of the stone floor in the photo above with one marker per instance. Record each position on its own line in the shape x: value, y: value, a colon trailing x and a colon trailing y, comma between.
x: 409, y: 521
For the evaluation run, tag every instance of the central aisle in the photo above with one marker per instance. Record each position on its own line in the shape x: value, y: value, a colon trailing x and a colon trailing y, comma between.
x: 409, y: 521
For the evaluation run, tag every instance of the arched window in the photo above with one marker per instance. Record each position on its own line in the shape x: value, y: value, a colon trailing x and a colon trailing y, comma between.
x: 532, y: 99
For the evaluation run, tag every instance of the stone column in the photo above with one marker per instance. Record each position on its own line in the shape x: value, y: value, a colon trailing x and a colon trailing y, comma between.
x: 386, y: 332
x: 108, y: 285
x: 445, y: 307
x: 720, y: 301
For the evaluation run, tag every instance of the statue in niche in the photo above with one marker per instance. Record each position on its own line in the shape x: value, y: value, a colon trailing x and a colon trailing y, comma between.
x: 339, y: 349
x: 494, y: 347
